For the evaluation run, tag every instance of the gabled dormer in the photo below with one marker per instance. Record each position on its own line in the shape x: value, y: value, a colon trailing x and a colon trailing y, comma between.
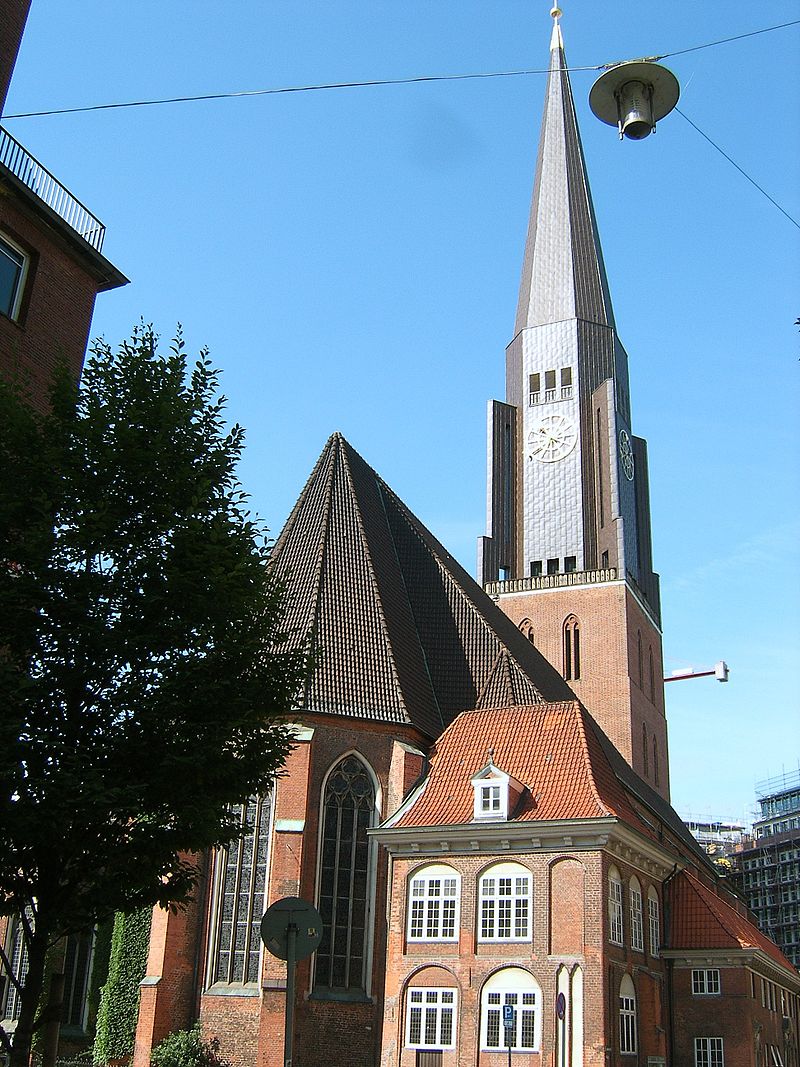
x: 496, y: 793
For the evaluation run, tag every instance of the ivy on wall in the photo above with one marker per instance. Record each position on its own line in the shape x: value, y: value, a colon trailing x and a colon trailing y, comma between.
x: 119, y: 997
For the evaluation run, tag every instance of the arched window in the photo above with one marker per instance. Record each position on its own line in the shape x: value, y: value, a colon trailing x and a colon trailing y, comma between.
x: 433, y: 904
x: 615, y: 928
x: 653, y: 921
x: 504, y: 893
x: 348, y: 809
x: 526, y: 627
x: 77, y: 970
x: 645, y: 752
x: 431, y: 1015
x: 240, y: 882
x: 637, y: 925
x: 572, y: 648
x: 627, y: 1016
x: 656, y: 775
x: 639, y: 661
x: 652, y: 675
x: 517, y: 988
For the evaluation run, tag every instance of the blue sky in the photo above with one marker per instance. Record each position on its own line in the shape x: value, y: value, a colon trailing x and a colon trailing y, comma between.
x: 352, y: 259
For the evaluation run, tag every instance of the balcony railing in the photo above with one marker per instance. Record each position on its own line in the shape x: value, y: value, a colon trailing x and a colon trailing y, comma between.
x: 552, y: 581
x: 50, y: 191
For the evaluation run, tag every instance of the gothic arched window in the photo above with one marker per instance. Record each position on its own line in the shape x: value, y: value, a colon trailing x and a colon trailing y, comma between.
x: 572, y: 648
x: 526, y: 627
x: 645, y: 752
x: 348, y: 808
x: 639, y: 660
x: 652, y: 676
x: 240, y: 898
x: 656, y: 775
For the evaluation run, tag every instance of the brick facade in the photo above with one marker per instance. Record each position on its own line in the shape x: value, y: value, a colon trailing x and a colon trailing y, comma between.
x: 611, y: 686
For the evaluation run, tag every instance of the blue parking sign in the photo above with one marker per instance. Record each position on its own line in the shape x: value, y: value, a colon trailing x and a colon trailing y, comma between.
x: 508, y: 1016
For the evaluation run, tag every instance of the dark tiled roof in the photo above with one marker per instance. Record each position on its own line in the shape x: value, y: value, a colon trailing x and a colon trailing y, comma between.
x: 401, y: 632
x: 701, y: 918
x: 552, y: 749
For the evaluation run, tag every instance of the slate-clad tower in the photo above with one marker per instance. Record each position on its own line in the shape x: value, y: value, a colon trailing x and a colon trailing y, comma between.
x: 568, y: 547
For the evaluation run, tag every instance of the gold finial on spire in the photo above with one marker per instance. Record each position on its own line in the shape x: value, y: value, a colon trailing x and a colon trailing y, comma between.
x: 556, y: 40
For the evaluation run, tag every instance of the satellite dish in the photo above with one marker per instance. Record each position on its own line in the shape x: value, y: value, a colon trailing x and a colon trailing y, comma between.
x: 634, y: 96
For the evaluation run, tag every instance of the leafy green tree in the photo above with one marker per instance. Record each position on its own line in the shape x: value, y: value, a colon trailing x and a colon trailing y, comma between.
x: 143, y: 671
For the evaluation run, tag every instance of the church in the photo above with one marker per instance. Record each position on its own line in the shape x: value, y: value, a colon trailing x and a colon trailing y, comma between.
x: 477, y: 802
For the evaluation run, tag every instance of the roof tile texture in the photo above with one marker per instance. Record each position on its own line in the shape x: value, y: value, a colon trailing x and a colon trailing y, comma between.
x: 702, y: 919
x: 550, y: 748
x: 400, y: 632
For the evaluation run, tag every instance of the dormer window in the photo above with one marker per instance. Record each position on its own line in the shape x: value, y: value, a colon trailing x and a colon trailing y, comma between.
x: 496, y: 793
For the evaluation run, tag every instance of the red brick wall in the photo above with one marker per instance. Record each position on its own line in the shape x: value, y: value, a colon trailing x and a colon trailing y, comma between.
x: 56, y: 313
x: 610, y: 619
x: 736, y: 1016
x: 251, y: 1027
x: 572, y: 883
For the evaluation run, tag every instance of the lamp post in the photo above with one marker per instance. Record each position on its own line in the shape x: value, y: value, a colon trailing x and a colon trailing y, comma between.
x: 719, y: 671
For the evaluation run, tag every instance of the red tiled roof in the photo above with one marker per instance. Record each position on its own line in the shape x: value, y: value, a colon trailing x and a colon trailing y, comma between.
x: 549, y: 748
x: 703, y: 919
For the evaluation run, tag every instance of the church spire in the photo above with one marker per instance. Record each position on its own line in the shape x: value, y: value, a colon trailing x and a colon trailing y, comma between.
x: 563, y: 275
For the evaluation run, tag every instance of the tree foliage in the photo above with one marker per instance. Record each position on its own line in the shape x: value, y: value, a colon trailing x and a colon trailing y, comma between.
x: 143, y: 672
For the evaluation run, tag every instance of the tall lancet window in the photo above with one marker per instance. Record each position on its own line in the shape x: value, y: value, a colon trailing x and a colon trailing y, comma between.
x: 240, y: 884
x: 348, y: 810
x: 572, y: 648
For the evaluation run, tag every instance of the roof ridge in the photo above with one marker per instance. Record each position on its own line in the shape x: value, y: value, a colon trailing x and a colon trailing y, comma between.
x: 346, y: 449
x: 383, y: 490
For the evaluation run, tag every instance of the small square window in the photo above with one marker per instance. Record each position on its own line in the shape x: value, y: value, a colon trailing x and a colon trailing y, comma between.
x: 490, y: 798
x: 13, y: 268
x: 570, y: 563
x: 552, y: 566
x: 536, y: 568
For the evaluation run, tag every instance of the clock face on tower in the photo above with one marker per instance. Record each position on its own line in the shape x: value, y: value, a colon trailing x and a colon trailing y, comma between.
x: 626, y: 454
x: 552, y: 438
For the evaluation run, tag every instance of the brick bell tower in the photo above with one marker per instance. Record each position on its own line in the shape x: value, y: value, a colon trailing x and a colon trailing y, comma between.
x: 567, y: 553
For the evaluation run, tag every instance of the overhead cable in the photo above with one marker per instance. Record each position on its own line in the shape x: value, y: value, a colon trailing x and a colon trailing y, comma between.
x: 372, y: 83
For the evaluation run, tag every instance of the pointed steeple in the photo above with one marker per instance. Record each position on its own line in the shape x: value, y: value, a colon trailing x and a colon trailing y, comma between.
x: 563, y: 275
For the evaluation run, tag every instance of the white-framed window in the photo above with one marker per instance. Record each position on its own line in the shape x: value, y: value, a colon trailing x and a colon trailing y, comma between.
x: 776, y: 1060
x: 615, y: 927
x: 433, y: 901
x: 431, y: 1018
x: 240, y: 898
x: 637, y: 927
x: 13, y: 271
x: 654, y: 921
x: 627, y: 1016
x: 490, y: 799
x: 705, y: 982
x: 504, y: 894
x: 511, y: 986
x: 708, y: 1052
